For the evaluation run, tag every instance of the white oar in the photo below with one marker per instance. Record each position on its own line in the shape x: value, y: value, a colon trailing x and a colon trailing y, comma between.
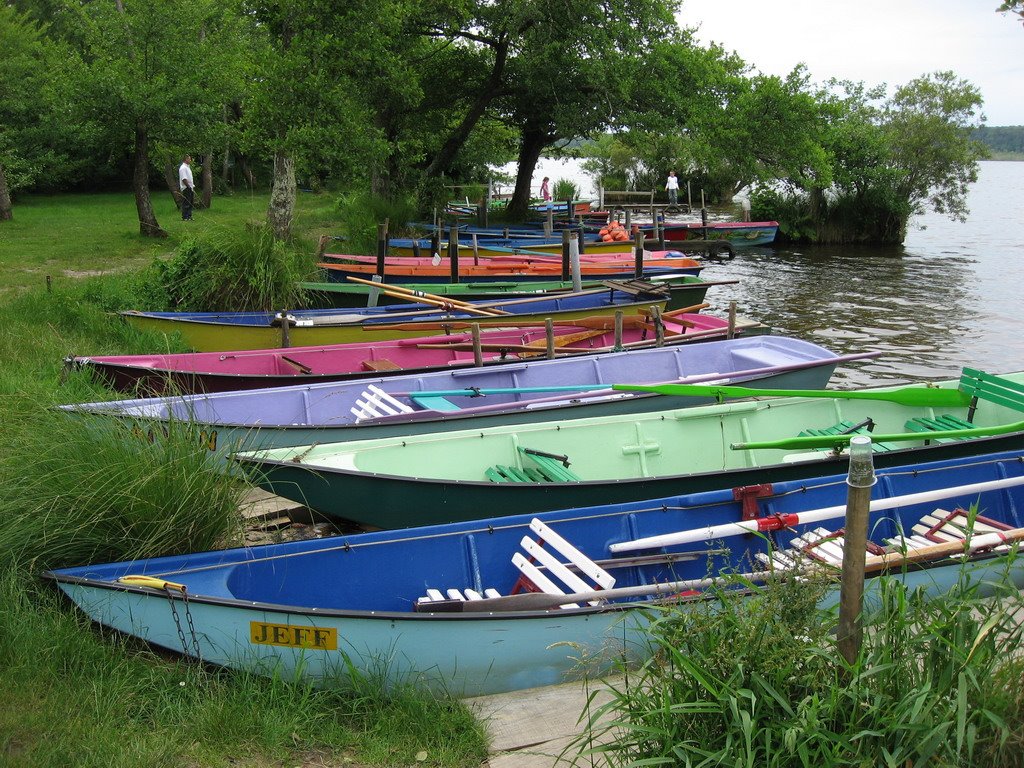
x: 776, y: 522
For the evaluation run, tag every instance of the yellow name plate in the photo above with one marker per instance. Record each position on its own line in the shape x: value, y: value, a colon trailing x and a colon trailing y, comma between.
x: 292, y: 636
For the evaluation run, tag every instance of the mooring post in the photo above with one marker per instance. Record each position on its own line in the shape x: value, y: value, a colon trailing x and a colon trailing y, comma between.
x: 382, y: 248
x: 373, y: 295
x: 568, y: 211
x: 566, y: 235
x: 638, y: 259
x: 416, y: 248
x: 731, y: 331
x: 453, y: 252
x: 476, y: 250
x: 859, y: 480
x: 703, y: 217
x: 659, y: 326
x: 286, y: 340
x: 435, y: 243
x: 618, y: 331
x: 549, y: 338
x: 581, y: 236
x: 478, y: 352
x: 574, y: 262
x: 549, y: 222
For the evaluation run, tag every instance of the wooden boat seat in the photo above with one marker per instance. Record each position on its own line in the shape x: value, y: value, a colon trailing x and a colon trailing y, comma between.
x: 380, y: 365
x: 540, y: 568
x: 848, y: 428
x: 548, y: 468
x: 375, y: 403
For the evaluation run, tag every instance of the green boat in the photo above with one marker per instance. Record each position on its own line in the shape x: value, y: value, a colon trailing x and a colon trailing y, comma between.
x: 468, y: 474
x: 683, y: 290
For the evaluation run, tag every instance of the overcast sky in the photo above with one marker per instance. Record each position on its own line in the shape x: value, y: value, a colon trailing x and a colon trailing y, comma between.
x: 875, y: 41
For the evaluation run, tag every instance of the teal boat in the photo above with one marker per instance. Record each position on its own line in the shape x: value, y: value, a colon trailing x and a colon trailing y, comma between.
x: 467, y: 474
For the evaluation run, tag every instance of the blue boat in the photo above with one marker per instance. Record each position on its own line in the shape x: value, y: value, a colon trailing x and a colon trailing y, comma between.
x: 404, y: 604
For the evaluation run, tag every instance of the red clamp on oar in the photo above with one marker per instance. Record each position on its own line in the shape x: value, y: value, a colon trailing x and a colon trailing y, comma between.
x: 777, y: 522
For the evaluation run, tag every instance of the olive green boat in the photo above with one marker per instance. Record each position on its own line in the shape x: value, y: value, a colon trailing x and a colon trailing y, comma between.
x: 465, y: 475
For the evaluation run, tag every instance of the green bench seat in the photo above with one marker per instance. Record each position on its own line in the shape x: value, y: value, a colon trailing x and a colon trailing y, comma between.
x: 548, y: 469
x: 938, y: 424
x: 846, y: 428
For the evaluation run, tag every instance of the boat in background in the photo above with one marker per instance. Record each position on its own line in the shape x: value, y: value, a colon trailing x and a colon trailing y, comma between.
x: 427, y: 479
x: 195, y: 372
x: 403, y: 607
x: 523, y: 392
x: 737, y: 233
x: 230, y: 331
x: 683, y: 290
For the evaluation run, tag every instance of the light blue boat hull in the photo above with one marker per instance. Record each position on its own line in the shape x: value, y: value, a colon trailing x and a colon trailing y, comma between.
x: 360, y: 589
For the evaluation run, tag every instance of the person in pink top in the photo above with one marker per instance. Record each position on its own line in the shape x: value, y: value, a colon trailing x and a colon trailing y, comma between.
x: 545, y: 191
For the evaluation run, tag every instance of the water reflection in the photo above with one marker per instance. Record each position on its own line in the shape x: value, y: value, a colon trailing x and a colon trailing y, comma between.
x: 950, y: 297
x: 853, y: 299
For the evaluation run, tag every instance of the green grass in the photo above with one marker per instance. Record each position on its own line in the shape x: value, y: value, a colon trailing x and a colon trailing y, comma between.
x: 75, y: 492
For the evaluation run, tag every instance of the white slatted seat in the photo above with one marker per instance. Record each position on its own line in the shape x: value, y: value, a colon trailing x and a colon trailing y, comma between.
x: 550, y: 565
x: 943, y: 527
x: 543, y: 569
x: 821, y: 546
x: 375, y: 403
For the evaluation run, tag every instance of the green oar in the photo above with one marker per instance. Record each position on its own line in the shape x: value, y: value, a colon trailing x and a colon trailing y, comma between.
x: 838, y: 441
x: 920, y: 396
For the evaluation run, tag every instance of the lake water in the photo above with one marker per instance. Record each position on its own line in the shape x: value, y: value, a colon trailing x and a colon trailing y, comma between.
x: 953, y: 295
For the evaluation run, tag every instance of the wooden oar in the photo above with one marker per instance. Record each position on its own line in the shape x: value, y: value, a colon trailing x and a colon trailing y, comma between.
x: 532, y: 346
x: 399, y: 291
x: 778, y: 522
x: 916, y: 396
x: 603, y: 322
x: 541, y: 601
x: 839, y: 441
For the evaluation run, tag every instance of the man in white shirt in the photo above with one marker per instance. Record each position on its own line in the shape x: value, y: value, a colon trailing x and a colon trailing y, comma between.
x: 672, y: 187
x: 186, y: 187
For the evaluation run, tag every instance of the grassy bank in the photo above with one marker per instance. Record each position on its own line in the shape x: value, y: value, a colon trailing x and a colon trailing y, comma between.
x: 76, y: 696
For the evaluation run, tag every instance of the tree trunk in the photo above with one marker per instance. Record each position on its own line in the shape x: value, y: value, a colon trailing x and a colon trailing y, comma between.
x: 443, y: 160
x: 207, y: 179
x: 530, y: 146
x: 171, y: 177
x: 148, y: 225
x: 6, y: 209
x: 281, y: 210
x: 250, y: 178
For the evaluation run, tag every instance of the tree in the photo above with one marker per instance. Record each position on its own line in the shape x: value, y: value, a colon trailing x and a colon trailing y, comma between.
x: 1013, y: 6
x: 26, y: 67
x: 890, y: 158
x: 155, y: 70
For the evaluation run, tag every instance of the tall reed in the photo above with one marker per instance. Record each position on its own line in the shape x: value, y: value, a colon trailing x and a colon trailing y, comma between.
x: 753, y: 677
x: 81, y: 489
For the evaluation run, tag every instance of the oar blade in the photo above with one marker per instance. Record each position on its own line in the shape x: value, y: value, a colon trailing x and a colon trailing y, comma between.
x: 924, y: 397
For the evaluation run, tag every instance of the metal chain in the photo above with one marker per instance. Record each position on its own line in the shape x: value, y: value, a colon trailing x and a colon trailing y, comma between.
x: 188, y: 618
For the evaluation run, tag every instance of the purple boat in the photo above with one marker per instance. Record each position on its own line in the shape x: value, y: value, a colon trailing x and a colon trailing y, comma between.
x: 469, y: 398
x: 190, y: 373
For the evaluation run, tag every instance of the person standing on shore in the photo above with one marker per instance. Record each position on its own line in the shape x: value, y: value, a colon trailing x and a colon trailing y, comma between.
x: 186, y: 187
x: 545, y: 191
x: 672, y: 187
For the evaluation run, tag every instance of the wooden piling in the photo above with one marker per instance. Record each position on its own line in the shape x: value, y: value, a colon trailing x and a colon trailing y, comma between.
x: 286, y: 340
x: 850, y: 631
x: 566, y: 235
x: 382, y: 248
x: 618, y: 331
x: 453, y: 252
x: 549, y: 338
x: 659, y: 326
x: 731, y: 331
x: 638, y: 260
x: 478, y: 352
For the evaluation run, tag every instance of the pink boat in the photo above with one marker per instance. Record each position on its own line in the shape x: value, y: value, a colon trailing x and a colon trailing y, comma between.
x: 252, y: 369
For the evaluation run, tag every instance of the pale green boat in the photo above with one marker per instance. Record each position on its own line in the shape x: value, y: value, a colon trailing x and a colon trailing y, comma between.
x: 465, y: 475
